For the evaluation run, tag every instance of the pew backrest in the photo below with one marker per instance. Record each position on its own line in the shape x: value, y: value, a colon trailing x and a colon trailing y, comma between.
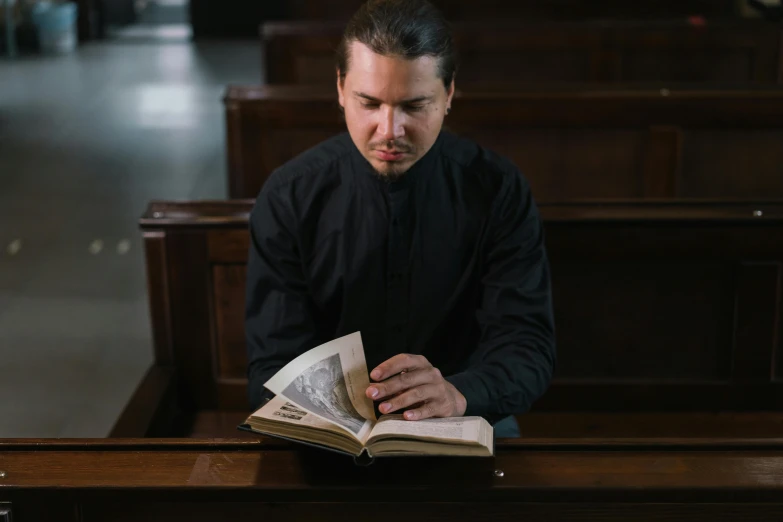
x: 571, y: 145
x: 532, y: 9
x: 521, y: 53
x: 658, y: 306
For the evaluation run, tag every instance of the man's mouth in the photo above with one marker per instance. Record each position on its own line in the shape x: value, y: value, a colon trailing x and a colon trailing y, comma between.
x: 389, y: 155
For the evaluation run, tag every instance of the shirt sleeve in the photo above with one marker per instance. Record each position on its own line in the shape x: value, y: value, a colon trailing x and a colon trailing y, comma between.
x: 515, y: 358
x: 279, y: 324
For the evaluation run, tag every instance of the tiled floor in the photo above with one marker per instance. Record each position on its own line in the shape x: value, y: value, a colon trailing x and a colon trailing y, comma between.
x: 158, y: 20
x: 86, y: 141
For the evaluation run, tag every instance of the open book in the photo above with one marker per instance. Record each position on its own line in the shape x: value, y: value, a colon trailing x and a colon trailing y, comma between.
x: 320, y: 400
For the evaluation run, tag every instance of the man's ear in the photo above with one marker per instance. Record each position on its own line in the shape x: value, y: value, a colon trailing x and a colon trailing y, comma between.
x: 450, y: 94
x: 340, y: 93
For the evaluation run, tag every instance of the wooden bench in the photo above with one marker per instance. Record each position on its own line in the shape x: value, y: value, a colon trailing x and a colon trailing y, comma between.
x: 667, y: 403
x: 570, y: 144
x: 530, y: 9
x: 519, y: 53
x: 242, y: 481
x: 667, y: 317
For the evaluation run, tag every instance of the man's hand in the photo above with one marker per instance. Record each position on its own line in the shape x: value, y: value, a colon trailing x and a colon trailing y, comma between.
x: 410, y: 380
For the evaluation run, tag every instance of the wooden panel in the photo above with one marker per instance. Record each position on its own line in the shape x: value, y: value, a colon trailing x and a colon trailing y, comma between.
x: 725, y: 425
x: 757, y: 321
x: 727, y: 163
x: 742, y: 52
x: 708, y: 65
x: 266, y: 474
x: 158, y: 296
x: 229, y: 298
x: 520, y: 52
x: 662, y: 162
x: 637, y: 320
x: 228, y: 246
x: 442, y: 512
x: 570, y: 145
x: 581, y: 395
x: 192, y: 318
x: 565, y: 164
x: 655, y: 304
x: 530, y: 9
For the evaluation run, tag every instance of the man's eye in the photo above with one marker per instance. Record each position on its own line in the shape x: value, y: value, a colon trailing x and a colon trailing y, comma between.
x: 370, y: 105
x: 414, y: 108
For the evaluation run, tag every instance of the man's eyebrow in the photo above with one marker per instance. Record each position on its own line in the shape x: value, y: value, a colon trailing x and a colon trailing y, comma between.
x: 417, y: 99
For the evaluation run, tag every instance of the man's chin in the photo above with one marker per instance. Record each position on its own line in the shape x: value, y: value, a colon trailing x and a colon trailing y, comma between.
x: 390, y: 171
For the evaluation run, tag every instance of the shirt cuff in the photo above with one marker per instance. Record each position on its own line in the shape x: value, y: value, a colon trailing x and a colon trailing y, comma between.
x: 473, y: 389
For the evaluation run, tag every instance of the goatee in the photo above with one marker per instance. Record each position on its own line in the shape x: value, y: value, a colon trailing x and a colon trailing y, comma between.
x: 390, y: 176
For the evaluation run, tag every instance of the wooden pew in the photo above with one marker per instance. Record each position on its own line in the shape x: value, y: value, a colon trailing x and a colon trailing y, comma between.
x: 242, y: 17
x: 518, y: 53
x: 242, y: 481
x: 531, y: 9
x: 666, y: 405
x: 570, y: 144
x: 667, y: 318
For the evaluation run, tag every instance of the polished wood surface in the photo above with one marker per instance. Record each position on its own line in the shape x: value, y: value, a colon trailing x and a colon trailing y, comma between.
x: 519, y: 53
x: 571, y: 144
x: 279, y: 470
x: 660, y: 306
x: 47, y: 480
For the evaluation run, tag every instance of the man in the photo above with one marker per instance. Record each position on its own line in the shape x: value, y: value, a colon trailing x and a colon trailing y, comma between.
x: 427, y: 244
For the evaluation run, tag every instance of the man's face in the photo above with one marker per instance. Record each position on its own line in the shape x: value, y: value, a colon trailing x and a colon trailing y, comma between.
x: 394, y: 108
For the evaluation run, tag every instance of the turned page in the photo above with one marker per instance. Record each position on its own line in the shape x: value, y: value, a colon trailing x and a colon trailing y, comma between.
x: 450, y: 429
x: 329, y: 381
x: 279, y: 409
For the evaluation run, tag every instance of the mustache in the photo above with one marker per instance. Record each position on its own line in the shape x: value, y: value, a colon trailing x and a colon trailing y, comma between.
x: 391, y: 145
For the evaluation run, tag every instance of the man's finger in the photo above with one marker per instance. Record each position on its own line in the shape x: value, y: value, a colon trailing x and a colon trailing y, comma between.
x: 398, y: 363
x: 425, y: 393
x: 402, y: 382
x: 425, y: 411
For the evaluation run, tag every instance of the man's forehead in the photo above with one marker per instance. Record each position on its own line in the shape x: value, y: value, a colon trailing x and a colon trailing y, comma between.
x: 389, y: 78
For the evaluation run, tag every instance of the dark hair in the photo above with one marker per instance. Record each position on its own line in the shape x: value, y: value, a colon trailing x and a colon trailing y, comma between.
x: 404, y: 28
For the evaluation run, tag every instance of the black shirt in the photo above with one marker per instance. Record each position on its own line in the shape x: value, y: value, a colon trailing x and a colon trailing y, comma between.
x: 449, y: 262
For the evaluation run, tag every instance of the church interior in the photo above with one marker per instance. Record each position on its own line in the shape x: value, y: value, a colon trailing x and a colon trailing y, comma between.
x: 136, y: 134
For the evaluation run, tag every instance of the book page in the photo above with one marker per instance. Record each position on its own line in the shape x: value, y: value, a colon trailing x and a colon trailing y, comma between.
x: 281, y: 418
x: 452, y: 429
x: 330, y: 382
x: 280, y: 409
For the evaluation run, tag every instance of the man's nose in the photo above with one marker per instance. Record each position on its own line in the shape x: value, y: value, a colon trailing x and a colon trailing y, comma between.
x: 391, y: 125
